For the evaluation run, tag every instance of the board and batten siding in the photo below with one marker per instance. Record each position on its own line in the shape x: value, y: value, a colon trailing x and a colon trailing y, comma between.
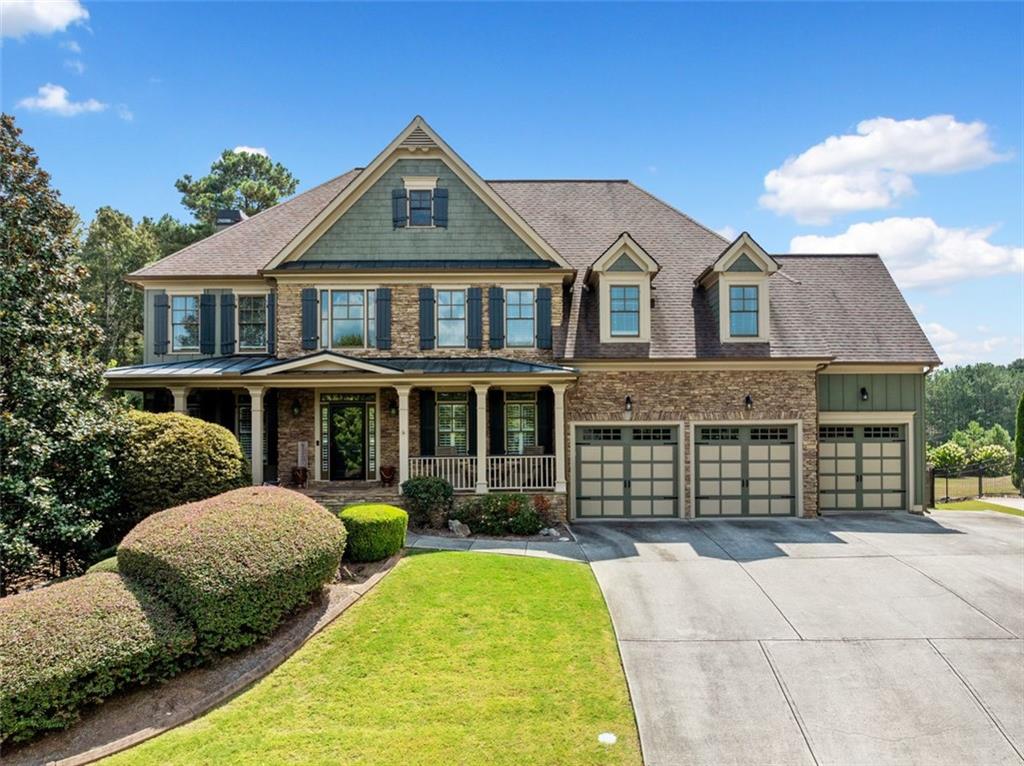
x: 887, y: 392
x: 365, y: 232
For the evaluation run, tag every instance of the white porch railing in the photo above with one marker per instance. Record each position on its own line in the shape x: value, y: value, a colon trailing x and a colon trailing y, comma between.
x: 520, y: 472
x: 459, y: 471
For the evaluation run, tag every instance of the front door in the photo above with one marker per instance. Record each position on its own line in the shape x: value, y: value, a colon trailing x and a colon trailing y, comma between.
x: 347, y: 441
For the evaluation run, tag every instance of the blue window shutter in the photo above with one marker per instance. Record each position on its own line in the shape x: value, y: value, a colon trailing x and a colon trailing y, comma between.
x: 427, y: 417
x: 309, y: 318
x: 207, y: 323
x: 426, y: 318
x: 384, y: 318
x: 399, y: 208
x: 271, y: 322
x: 546, y: 420
x: 496, y: 416
x: 160, y: 339
x: 441, y: 208
x: 227, y: 323
x: 474, y: 318
x: 496, y: 311
x: 543, y: 317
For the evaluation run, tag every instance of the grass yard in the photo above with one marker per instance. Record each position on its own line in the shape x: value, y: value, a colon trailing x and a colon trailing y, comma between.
x: 454, y: 658
x: 978, y: 505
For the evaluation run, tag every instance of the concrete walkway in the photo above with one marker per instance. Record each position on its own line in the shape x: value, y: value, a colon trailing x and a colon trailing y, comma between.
x: 870, y: 639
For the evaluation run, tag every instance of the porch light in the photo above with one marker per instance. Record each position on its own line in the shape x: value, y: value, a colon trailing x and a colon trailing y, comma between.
x: 296, y: 407
x: 392, y: 408
x: 629, y: 403
x: 863, y: 394
x: 748, y: 402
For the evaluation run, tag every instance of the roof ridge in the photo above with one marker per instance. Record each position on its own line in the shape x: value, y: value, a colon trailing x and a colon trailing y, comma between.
x: 825, y: 255
x: 557, y: 180
x: 676, y: 210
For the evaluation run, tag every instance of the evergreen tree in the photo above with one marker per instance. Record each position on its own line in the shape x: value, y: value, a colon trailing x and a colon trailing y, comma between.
x: 1018, y: 453
x: 237, y: 180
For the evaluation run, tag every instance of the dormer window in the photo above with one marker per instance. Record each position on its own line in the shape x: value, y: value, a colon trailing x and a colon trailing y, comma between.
x: 625, y: 310
x: 743, y: 311
x: 737, y: 290
x: 621, y: 278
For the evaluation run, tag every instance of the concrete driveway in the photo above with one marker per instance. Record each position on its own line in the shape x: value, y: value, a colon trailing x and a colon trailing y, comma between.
x: 868, y: 639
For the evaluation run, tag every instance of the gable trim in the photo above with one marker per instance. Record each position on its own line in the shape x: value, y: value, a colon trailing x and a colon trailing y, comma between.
x: 312, y: 360
x: 744, y: 244
x: 624, y: 244
x: 411, y: 144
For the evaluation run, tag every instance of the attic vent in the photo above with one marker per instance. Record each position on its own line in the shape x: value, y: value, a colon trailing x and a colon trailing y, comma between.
x: 418, y: 139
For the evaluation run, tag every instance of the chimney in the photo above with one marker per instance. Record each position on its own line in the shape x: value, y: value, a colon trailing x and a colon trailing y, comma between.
x: 227, y: 218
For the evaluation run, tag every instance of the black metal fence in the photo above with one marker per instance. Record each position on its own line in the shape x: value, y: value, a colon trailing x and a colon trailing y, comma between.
x: 967, y: 483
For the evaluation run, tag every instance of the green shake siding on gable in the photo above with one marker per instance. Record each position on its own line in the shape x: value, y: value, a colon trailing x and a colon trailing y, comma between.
x: 366, y: 232
x: 886, y: 393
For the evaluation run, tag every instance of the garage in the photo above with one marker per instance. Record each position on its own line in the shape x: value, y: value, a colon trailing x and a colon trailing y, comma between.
x: 862, y: 467
x: 627, y: 471
x: 745, y: 470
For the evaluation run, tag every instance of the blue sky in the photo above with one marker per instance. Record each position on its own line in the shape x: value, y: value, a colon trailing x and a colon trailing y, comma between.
x: 832, y: 127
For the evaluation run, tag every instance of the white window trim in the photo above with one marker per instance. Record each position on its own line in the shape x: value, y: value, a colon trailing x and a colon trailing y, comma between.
x: 625, y: 279
x: 523, y: 288
x: 437, y: 314
x: 743, y: 279
x: 437, y: 417
x: 328, y: 346
x: 170, y: 320
x: 419, y: 183
x: 238, y: 321
x: 504, y: 419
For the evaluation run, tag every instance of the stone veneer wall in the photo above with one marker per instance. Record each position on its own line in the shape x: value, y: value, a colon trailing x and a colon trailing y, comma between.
x: 291, y: 430
x: 690, y: 396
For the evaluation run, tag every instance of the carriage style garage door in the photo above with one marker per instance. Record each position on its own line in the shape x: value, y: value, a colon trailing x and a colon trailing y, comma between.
x: 627, y: 471
x: 745, y: 470
x: 862, y: 468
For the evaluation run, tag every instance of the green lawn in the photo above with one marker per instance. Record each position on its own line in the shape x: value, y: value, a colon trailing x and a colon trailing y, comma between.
x: 978, y: 505
x: 454, y: 658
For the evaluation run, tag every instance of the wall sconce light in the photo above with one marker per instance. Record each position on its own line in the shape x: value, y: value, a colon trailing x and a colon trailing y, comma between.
x: 392, y: 408
x: 629, y: 403
x: 863, y: 394
x: 748, y: 402
x: 296, y: 407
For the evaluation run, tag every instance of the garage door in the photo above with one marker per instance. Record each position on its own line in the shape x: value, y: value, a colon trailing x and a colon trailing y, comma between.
x: 862, y: 468
x: 627, y: 471
x: 745, y: 471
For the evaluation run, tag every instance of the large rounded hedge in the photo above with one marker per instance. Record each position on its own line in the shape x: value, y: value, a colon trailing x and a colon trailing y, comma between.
x: 375, y: 531
x: 76, y: 642
x: 236, y: 564
x: 171, y: 459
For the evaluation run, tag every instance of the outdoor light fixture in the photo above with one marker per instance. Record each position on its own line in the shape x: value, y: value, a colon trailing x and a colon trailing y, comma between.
x: 629, y: 403
x: 748, y: 402
x: 863, y: 394
x: 296, y: 407
x: 392, y: 408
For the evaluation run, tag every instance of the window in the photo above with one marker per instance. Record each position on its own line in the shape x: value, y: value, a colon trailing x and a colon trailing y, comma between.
x: 520, y: 421
x: 420, y: 207
x: 348, y: 318
x: 453, y: 423
x: 184, y: 323
x: 743, y: 311
x: 519, y: 318
x: 252, y: 322
x: 625, y: 310
x: 451, y: 318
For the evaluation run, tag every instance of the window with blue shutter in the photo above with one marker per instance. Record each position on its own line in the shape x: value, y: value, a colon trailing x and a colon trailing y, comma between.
x: 272, y: 323
x: 384, y: 318
x: 426, y: 318
x: 543, y: 317
x: 496, y: 311
x: 160, y: 323
x: 227, y: 323
x: 441, y: 208
x: 309, y: 319
x: 474, y: 318
x: 427, y: 422
x: 399, y: 208
x: 208, y: 323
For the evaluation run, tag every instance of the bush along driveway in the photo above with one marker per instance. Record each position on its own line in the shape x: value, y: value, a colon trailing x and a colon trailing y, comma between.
x: 453, y: 658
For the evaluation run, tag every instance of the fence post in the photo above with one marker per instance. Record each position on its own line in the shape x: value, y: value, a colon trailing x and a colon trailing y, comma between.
x: 981, y: 488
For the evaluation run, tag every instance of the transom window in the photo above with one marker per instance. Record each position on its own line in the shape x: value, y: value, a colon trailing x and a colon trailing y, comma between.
x: 252, y: 322
x: 452, y: 423
x: 520, y: 421
x: 625, y: 310
x: 451, y: 318
x: 184, y: 323
x: 348, y: 318
x: 421, y: 211
x: 743, y: 311
x: 519, y: 318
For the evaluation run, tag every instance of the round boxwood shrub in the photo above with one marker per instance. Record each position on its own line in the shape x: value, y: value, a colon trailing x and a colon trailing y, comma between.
x: 76, y: 642
x: 429, y: 500
x: 375, y: 531
x: 105, y: 565
x: 171, y: 459
x: 236, y: 564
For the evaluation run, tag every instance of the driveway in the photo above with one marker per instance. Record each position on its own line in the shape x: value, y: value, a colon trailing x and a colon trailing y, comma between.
x: 868, y: 639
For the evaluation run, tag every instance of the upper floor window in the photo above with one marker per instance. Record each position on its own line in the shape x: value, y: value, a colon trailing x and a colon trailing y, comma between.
x: 184, y: 323
x: 519, y: 318
x: 451, y: 318
x: 625, y: 310
x: 452, y: 423
x: 252, y: 322
x: 743, y: 311
x: 520, y: 421
x: 421, y: 209
x: 348, y: 318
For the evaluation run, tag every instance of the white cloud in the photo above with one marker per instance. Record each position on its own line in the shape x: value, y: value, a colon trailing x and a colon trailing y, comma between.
x: 75, y: 65
x: 952, y: 348
x: 19, y: 18
x: 54, y: 99
x: 71, y: 45
x: 251, y: 150
x: 873, y: 168
x: 919, y: 252
x: 729, y: 232
x: 124, y: 112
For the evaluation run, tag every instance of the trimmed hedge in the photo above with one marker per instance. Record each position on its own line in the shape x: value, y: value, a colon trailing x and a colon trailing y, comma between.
x: 76, y: 642
x: 429, y: 500
x: 171, y: 459
x: 375, y: 531
x: 500, y: 514
x: 105, y: 565
x: 236, y: 564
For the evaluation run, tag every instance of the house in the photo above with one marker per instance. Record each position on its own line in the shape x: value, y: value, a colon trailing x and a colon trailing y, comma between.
x: 581, y: 339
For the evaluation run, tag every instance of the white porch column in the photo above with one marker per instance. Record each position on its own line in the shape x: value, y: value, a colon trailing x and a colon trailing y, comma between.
x: 180, y: 395
x: 256, y: 409
x: 559, y: 390
x: 403, y: 434
x: 481, y: 438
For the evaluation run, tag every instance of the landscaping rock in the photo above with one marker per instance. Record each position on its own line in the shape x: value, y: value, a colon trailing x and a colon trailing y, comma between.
x: 550, y: 532
x: 458, y: 527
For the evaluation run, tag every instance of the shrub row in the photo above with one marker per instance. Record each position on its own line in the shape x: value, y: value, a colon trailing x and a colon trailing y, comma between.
x: 78, y: 641
x: 375, y: 531
x: 500, y: 514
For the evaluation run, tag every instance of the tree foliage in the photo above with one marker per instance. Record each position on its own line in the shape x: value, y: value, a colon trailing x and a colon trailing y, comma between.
x: 987, y: 393
x: 114, y: 247
x: 57, y: 432
x: 237, y: 180
x: 947, y: 457
x: 172, y: 235
x: 1018, y: 451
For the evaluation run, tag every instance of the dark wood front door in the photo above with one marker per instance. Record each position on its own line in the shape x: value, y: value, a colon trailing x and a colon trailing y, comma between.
x: 348, y: 441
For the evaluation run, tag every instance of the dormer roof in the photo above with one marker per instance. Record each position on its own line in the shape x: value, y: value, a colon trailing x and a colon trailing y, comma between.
x: 742, y: 254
